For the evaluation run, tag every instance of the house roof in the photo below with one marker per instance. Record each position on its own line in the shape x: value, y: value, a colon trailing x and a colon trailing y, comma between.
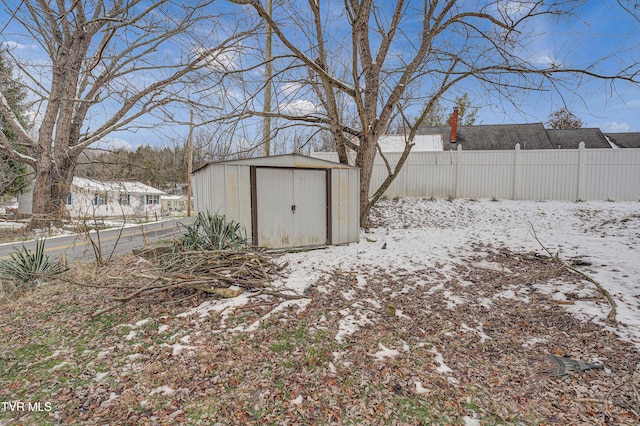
x: 571, y: 138
x: 506, y: 136
x: 396, y: 143
x: 625, y: 140
x: 494, y: 136
x: 286, y: 160
x: 112, y: 185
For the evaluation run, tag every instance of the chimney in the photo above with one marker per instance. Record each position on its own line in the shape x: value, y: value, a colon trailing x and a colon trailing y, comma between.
x: 453, y: 121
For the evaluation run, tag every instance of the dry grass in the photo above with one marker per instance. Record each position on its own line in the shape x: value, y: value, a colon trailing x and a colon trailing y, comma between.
x: 11, y: 235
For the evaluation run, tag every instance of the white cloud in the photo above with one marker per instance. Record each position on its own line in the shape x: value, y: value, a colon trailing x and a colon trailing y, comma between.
x: 291, y: 88
x: 631, y: 104
x: 299, y: 107
x: 545, y: 58
x: 221, y: 61
x: 615, y: 127
x: 15, y: 45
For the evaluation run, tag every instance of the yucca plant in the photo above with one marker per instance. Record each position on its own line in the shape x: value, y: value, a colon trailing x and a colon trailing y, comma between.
x: 213, y: 232
x: 29, y: 267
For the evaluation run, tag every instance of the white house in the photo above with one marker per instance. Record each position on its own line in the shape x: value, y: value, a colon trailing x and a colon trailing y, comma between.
x: 173, y: 204
x: 94, y: 198
x: 422, y: 143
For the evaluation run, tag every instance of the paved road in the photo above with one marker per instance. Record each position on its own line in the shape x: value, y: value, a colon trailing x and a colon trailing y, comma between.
x: 118, y: 241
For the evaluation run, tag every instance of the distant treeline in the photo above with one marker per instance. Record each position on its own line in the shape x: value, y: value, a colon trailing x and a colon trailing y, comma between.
x: 161, y: 167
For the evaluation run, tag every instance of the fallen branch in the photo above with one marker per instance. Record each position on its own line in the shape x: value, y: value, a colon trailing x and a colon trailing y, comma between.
x: 281, y: 295
x: 182, y: 274
x: 556, y: 258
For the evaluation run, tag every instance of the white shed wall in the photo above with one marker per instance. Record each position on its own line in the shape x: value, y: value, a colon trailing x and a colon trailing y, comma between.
x: 345, y: 212
x: 224, y: 189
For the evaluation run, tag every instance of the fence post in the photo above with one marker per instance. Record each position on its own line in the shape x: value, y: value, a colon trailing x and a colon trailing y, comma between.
x: 580, y: 190
x: 458, y: 171
x: 515, y: 195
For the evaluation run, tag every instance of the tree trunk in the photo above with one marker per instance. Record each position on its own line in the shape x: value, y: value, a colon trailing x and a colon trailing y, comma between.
x: 50, y: 192
x: 341, y: 148
x: 364, y: 160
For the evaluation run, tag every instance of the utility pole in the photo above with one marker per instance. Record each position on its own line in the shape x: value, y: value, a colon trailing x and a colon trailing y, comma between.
x: 268, y: 73
x: 190, y: 164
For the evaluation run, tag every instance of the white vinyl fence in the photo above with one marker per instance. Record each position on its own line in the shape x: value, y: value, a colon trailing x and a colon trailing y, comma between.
x: 555, y: 174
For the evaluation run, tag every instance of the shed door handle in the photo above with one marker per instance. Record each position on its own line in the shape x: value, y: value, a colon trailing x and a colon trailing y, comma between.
x: 293, y: 208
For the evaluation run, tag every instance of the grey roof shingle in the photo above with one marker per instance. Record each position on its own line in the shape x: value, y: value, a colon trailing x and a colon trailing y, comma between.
x: 625, y: 140
x: 571, y: 138
x: 494, y: 136
x: 506, y: 136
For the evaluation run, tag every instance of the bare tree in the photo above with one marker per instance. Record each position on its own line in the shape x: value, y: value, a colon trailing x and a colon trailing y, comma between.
x: 112, y: 65
x: 13, y: 174
x: 384, y: 61
x: 564, y: 119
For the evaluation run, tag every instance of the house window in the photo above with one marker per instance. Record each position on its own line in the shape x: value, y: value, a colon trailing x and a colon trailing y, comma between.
x: 69, y: 199
x: 153, y: 199
x: 124, y: 199
x: 99, y: 199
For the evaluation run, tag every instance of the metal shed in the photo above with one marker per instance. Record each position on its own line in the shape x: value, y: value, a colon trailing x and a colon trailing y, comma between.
x: 283, y: 200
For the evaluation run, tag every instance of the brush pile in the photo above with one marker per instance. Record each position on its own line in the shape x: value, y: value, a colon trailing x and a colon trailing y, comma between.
x: 177, y: 276
x: 210, y: 258
x: 210, y: 270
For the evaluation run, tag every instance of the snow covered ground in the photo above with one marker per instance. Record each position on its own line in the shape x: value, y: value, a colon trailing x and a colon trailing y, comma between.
x: 444, y: 313
x: 417, y: 234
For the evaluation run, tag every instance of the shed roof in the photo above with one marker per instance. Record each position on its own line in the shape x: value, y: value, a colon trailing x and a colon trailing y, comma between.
x: 625, y: 140
x: 286, y: 160
x: 112, y: 185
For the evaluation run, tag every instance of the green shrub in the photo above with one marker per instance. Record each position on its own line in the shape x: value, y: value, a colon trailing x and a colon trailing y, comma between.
x: 29, y: 267
x: 213, y: 232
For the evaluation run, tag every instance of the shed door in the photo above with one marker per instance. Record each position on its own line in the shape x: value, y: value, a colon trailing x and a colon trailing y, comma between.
x: 291, y: 207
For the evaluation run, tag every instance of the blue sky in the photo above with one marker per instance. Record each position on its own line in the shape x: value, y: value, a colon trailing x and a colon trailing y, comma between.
x: 599, y: 29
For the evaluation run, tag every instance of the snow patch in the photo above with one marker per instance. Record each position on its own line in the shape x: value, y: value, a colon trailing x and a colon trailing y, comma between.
x: 478, y: 330
x: 350, y: 323
x: 142, y: 322
x: 177, y: 348
x: 298, y: 401
x: 470, y: 421
x: 491, y: 266
x: 421, y: 390
x: 131, y: 335
x: 302, y: 304
x: 384, y: 352
x: 101, y: 376
x: 442, y: 367
x: 58, y: 366
x: 163, y: 390
x: 532, y: 342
